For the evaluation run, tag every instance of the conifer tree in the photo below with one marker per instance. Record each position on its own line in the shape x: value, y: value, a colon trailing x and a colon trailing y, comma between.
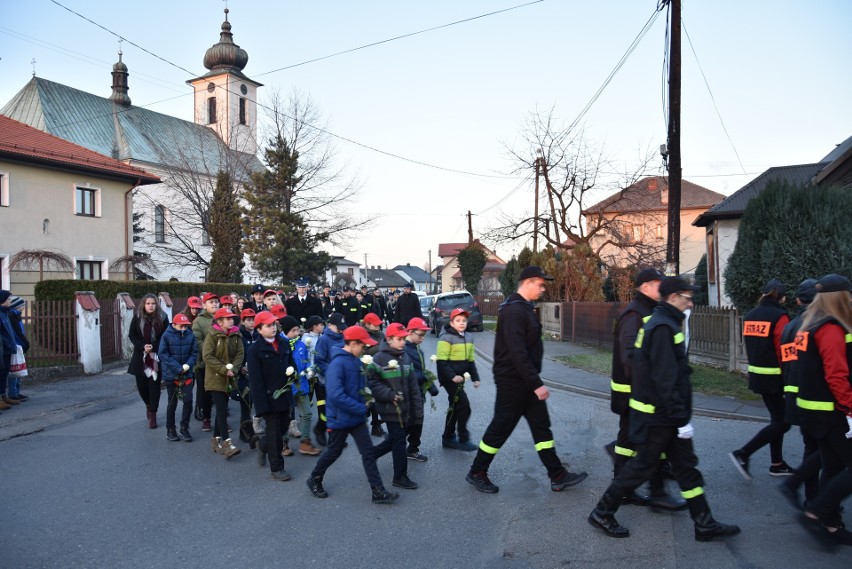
x: 226, y: 261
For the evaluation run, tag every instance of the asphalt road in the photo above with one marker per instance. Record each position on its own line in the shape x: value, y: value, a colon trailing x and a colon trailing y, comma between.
x: 91, y: 486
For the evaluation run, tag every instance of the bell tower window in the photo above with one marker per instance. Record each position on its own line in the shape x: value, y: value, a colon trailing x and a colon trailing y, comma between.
x: 211, y: 110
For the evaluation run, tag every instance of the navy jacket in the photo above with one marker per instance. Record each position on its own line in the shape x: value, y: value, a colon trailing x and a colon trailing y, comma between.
x: 266, y: 369
x: 344, y: 380
x: 518, y: 349
x: 385, y: 382
x: 7, y: 332
x: 177, y: 348
x: 325, y: 346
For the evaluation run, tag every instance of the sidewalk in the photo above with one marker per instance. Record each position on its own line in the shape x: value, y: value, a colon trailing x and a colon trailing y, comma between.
x: 558, y: 375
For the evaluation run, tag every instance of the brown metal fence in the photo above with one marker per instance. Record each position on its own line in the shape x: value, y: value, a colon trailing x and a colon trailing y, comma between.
x: 51, y: 328
x: 110, y: 330
x: 489, y: 302
x: 590, y: 322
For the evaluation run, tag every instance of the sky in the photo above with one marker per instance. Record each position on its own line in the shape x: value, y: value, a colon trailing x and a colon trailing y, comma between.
x: 458, y: 97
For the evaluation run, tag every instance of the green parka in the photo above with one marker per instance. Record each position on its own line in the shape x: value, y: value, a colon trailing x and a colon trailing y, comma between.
x: 220, y: 349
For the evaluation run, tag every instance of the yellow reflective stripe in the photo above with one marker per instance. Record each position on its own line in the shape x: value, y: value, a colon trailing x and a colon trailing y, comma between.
x: 643, y: 407
x: 663, y: 456
x: 848, y: 338
x: 625, y: 451
x: 322, y: 416
x: 687, y: 494
x: 791, y: 389
x: 645, y: 319
x: 679, y: 338
x: 815, y: 405
x: 485, y: 448
x: 320, y: 402
x: 620, y: 387
x: 639, y: 337
x: 544, y: 445
x: 765, y: 370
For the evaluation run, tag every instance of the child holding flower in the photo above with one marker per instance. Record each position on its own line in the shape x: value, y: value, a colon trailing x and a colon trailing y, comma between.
x: 391, y: 379
x: 301, y: 385
x: 178, y: 353
x: 223, y: 356
x: 455, y: 366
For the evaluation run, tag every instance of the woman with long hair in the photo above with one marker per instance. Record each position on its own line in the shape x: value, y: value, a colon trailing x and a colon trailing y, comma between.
x: 192, y: 308
x: 146, y: 329
x: 824, y: 350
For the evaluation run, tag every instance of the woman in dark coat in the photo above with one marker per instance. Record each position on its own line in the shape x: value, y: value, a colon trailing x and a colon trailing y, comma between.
x: 146, y: 328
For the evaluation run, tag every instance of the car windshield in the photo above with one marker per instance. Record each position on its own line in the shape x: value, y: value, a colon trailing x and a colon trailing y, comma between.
x: 456, y: 300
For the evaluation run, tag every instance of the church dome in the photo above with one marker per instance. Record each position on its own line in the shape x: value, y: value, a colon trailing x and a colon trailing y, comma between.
x: 225, y: 55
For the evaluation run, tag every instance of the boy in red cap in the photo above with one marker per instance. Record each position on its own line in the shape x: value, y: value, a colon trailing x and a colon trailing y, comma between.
x: 200, y: 329
x: 455, y: 367
x: 391, y: 379
x: 417, y: 329
x: 223, y: 357
x: 178, y: 353
x: 246, y: 327
x: 345, y: 410
x: 373, y: 325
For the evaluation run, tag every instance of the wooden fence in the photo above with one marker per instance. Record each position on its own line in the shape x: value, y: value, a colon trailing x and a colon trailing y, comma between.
x: 51, y: 328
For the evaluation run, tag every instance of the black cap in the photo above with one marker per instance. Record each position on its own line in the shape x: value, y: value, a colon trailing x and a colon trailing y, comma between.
x: 672, y: 285
x: 337, y: 320
x: 648, y: 275
x: 313, y: 321
x: 288, y: 323
x: 806, y: 291
x: 4, y: 295
x: 774, y: 285
x: 257, y: 288
x: 532, y: 272
x: 833, y: 283
x: 407, y: 285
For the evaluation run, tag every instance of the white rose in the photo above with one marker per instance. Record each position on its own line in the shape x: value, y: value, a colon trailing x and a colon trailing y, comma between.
x: 304, y: 319
x: 434, y: 358
x: 229, y: 367
x: 289, y: 370
x: 185, y: 367
x: 393, y: 364
x: 366, y: 360
x: 466, y: 376
x: 310, y: 373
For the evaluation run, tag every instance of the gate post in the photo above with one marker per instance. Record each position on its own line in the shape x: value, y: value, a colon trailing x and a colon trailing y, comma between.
x: 125, y: 311
x: 88, y: 311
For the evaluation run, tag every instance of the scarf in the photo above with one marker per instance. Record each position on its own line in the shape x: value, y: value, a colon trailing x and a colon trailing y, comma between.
x: 150, y: 359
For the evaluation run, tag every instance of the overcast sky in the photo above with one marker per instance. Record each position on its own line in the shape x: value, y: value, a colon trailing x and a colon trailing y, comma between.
x: 457, y: 96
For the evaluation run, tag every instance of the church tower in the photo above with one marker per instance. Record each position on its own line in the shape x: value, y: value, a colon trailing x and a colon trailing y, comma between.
x: 225, y: 99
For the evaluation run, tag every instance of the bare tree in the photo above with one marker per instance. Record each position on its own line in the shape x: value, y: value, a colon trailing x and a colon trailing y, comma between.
x: 324, y: 188
x: 41, y: 257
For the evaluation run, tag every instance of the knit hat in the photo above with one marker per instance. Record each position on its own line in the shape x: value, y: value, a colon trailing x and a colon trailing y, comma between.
x: 288, y: 323
x: 17, y: 302
x: 4, y: 294
x: 313, y: 321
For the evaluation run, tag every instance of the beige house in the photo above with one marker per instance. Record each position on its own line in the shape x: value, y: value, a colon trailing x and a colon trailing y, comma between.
x: 60, y: 197
x: 635, y: 224
x: 451, y: 278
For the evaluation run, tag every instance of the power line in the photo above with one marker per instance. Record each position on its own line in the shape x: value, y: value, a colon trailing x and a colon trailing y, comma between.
x: 712, y: 98
x: 504, y: 198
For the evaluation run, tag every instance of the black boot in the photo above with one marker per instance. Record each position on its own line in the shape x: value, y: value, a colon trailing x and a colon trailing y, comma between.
x: 319, y: 433
x: 315, y: 484
x: 706, y: 528
x: 660, y: 498
x: 603, y: 516
x: 382, y: 496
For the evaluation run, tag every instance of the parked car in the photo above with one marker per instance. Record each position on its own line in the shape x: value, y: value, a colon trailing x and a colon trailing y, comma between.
x: 446, y: 302
x: 426, y: 304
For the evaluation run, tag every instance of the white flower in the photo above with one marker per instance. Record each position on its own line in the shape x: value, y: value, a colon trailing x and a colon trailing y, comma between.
x: 466, y: 376
x: 434, y: 358
x: 304, y: 319
x: 185, y: 367
x: 229, y: 367
x: 366, y: 360
x: 310, y: 372
x: 393, y: 364
x: 289, y: 370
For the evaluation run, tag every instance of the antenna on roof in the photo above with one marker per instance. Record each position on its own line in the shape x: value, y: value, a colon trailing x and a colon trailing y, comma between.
x: 33, y: 62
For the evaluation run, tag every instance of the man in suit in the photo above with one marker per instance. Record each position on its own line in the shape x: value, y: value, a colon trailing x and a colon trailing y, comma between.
x: 303, y: 305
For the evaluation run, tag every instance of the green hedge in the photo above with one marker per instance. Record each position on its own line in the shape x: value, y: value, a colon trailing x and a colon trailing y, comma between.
x: 64, y: 289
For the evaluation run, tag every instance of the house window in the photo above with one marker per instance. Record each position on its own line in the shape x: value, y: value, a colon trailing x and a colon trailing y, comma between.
x: 86, y: 202
x: 4, y: 189
x: 637, y: 232
x: 89, y: 270
x: 160, y: 224
x: 351, y: 271
x: 660, y: 232
x: 242, y: 110
x: 211, y: 110
x: 205, y: 237
x: 711, y: 258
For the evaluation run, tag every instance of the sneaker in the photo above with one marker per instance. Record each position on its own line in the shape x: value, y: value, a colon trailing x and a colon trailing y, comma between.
x: 566, y: 480
x: 449, y: 442
x: 205, y: 426
x: 315, y: 485
x: 184, y: 434
x: 377, y: 431
x: 308, y: 449
x: 259, y: 425
x: 417, y: 457
x: 782, y: 469
x: 454, y: 444
x: 741, y: 462
x: 286, y: 451
x: 481, y: 482
x: 281, y: 476
x: 294, y: 430
x: 382, y: 496
x: 405, y: 483
x: 172, y: 435
x: 467, y: 446
x: 19, y: 397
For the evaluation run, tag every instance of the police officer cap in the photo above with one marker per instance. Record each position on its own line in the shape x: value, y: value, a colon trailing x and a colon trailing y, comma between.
x: 806, y: 291
x: 302, y: 283
x: 258, y: 288
x: 672, y: 285
x: 776, y: 286
x: 648, y: 275
x: 833, y: 283
x: 532, y: 272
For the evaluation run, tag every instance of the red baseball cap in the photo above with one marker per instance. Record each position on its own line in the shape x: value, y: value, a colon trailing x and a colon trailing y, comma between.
x: 209, y: 296
x: 269, y: 292
x: 459, y: 312
x: 194, y: 302
x: 264, y: 317
x: 223, y: 313
x: 360, y: 334
x: 417, y: 324
x: 226, y: 299
x: 248, y: 313
x: 278, y: 311
x: 181, y: 319
x: 371, y: 318
x: 396, y: 330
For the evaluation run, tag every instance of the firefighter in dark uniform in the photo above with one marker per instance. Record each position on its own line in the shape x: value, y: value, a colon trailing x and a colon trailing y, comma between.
x: 762, y: 329
x: 824, y: 344
x: 807, y: 473
x: 626, y: 328
x: 349, y: 308
x: 661, y: 407
x: 518, y: 351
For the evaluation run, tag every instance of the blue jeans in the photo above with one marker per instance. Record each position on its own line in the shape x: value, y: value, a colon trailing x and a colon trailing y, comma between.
x: 13, y: 388
x: 336, y: 438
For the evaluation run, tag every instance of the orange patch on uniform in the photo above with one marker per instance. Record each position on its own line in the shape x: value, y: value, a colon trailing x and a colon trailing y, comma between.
x: 789, y: 352
x: 801, y: 341
x: 756, y: 328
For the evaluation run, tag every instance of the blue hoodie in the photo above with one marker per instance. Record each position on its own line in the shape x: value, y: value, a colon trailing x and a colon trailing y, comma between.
x: 177, y: 348
x: 325, y: 345
x: 344, y: 380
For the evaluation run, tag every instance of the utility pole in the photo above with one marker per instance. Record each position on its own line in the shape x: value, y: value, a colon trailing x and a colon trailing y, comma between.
x: 365, y: 269
x: 535, y: 218
x: 430, y: 271
x: 674, y: 162
x: 469, y: 228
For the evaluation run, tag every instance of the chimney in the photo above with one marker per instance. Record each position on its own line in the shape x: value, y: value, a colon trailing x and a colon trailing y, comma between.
x: 664, y: 194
